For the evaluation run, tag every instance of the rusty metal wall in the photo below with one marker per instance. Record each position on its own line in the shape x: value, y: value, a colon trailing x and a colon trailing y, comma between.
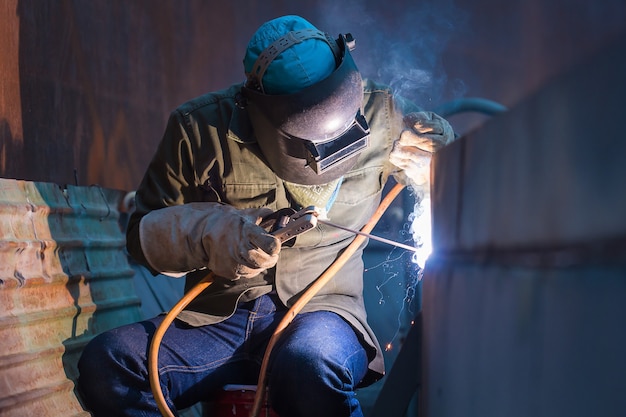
x: 64, y: 277
x: 523, y: 300
x: 86, y: 86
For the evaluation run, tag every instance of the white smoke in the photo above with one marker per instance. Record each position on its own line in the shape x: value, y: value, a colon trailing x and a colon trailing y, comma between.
x: 404, y: 52
x: 403, y: 45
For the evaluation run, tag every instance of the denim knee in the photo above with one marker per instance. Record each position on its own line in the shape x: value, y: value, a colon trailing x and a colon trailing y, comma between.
x: 316, y: 368
x: 109, y: 364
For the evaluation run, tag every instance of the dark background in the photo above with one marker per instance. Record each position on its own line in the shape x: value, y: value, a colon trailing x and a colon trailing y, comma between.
x: 87, y: 85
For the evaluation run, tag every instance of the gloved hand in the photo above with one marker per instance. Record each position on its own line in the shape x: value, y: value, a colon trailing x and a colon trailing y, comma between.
x: 198, y: 235
x: 427, y: 133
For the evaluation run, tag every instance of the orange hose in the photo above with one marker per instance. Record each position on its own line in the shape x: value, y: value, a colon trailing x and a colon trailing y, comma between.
x: 153, y: 354
x: 314, y: 289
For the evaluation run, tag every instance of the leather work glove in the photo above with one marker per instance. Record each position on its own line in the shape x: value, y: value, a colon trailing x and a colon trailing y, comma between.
x: 198, y: 235
x: 427, y: 133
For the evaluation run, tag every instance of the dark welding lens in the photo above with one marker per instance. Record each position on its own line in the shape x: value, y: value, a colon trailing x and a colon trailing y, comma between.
x: 322, y: 156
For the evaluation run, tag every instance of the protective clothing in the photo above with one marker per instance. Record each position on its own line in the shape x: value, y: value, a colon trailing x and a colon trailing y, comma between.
x: 428, y: 132
x: 313, y: 131
x: 209, y: 153
x: 433, y: 131
x: 196, y: 235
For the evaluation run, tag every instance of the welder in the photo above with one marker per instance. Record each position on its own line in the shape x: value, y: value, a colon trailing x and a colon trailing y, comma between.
x: 304, y: 129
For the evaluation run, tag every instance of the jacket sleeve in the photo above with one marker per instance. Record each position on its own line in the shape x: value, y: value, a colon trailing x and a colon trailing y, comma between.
x: 399, y: 108
x: 169, y: 180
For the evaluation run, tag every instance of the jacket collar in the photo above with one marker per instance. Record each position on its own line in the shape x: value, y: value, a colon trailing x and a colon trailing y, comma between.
x: 240, y: 128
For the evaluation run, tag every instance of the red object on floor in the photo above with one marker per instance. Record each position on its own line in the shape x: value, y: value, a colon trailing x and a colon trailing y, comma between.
x: 237, y: 401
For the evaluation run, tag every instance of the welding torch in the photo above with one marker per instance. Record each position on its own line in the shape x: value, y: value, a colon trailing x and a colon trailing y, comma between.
x: 286, y: 224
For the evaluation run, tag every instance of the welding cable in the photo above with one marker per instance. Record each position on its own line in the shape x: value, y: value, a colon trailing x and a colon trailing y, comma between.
x: 317, y: 285
x: 153, y: 354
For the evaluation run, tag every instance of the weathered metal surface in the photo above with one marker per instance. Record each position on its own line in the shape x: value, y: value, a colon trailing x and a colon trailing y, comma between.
x: 64, y: 277
x: 523, y: 307
x: 101, y: 77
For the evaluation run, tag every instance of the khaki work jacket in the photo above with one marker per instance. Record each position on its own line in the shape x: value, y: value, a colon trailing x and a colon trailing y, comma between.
x: 209, y: 153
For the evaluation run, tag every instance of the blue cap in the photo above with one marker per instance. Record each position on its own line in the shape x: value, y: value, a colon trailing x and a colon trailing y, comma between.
x: 299, y: 66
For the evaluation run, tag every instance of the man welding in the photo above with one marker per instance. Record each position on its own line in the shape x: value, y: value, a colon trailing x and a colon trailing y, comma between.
x: 303, y: 130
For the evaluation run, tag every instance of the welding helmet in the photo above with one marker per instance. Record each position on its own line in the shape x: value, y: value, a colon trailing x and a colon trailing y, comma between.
x: 304, y: 94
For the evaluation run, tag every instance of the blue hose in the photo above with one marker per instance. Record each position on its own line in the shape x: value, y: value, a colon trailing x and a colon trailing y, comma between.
x: 470, y: 104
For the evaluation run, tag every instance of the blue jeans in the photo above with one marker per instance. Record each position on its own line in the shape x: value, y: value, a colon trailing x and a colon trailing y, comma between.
x: 313, y: 371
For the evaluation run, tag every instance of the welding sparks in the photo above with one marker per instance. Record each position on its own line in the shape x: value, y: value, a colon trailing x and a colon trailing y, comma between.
x: 419, y: 222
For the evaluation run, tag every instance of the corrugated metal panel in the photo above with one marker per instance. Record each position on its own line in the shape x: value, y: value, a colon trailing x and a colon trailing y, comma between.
x: 523, y: 303
x: 64, y: 277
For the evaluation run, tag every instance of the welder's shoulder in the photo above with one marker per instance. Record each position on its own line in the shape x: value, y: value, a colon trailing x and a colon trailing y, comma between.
x: 210, y: 101
x: 376, y: 96
x: 371, y: 87
x: 375, y: 93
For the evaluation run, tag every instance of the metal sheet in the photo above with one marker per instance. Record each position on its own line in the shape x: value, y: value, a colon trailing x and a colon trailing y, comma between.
x: 504, y: 341
x: 549, y: 172
x: 523, y: 306
x: 64, y: 277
